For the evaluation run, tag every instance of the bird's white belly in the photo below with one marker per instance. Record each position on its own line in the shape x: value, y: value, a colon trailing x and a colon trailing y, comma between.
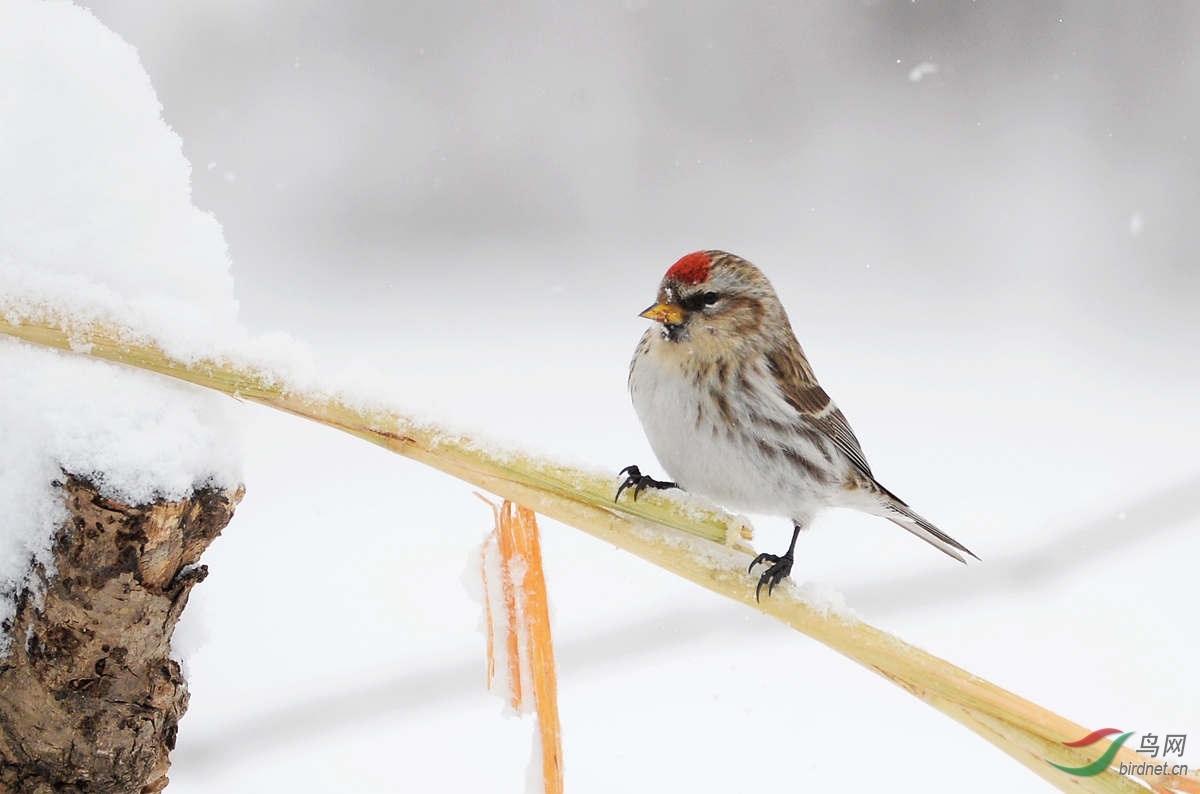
x: 708, y: 455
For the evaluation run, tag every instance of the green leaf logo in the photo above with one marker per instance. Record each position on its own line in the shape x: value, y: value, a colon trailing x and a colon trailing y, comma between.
x: 1101, y: 763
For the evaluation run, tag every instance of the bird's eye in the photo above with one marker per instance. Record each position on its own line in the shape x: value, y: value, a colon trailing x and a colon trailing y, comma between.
x: 710, y: 298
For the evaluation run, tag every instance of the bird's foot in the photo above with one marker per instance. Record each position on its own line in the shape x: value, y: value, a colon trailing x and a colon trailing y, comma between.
x: 778, y: 571
x: 640, y: 482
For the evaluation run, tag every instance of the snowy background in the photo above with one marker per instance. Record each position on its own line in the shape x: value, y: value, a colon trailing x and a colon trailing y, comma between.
x: 982, y: 220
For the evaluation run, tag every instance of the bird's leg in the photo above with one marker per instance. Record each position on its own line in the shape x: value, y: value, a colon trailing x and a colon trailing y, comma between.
x: 780, y: 566
x: 640, y: 482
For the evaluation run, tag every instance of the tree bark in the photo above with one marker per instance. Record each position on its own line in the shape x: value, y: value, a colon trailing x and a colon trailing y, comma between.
x: 90, y: 698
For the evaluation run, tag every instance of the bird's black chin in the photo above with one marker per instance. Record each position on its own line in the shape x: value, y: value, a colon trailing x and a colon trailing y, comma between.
x: 675, y: 332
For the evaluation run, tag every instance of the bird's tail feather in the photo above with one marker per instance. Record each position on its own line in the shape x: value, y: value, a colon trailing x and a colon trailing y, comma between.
x: 904, y: 516
x: 914, y: 523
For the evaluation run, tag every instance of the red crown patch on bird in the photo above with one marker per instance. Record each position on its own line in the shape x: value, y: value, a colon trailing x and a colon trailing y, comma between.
x: 692, y: 269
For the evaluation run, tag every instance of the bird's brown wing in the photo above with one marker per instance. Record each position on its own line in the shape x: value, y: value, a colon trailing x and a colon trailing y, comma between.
x: 801, y: 391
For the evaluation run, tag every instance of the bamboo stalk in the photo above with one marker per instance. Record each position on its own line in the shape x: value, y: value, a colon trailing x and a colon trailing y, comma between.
x: 659, y: 528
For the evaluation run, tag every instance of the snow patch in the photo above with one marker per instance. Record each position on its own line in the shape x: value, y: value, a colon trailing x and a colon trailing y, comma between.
x: 97, y: 213
x: 535, y: 780
x: 921, y: 71
x: 1137, y: 224
x: 730, y: 562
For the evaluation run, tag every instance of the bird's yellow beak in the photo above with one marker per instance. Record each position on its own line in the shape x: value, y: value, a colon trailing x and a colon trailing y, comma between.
x: 665, y: 313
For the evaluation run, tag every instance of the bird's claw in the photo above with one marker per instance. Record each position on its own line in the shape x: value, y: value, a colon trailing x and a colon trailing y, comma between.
x: 639, y: 482
x: 776, y: 573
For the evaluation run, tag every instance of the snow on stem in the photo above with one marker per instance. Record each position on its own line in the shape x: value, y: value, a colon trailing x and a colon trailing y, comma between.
x: 697, y: 544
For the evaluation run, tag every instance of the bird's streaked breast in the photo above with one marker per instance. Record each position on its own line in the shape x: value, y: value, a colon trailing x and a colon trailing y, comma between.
x: 722, y: 429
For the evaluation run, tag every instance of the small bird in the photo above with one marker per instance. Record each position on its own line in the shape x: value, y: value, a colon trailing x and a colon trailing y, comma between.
x: 733, y: 410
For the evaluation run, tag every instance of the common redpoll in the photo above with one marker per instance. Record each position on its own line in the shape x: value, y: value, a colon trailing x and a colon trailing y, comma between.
x: 734, y: 412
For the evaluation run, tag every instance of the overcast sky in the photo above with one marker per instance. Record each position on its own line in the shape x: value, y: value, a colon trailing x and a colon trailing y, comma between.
x: 1020, y: 157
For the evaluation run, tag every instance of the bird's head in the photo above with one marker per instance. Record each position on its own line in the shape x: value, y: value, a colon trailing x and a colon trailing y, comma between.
x: 716, y: 297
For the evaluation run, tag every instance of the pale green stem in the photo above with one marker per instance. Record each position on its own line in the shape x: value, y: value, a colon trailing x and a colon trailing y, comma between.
x: 700, y: 545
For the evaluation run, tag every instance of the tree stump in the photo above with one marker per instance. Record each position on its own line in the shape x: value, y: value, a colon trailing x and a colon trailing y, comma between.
x: 90, y: 698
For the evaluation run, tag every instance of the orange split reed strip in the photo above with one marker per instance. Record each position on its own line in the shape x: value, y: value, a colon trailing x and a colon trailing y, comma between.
x: 512, y: 643
x: 487, y: 610
x: 487, y: 600
x: 541, y: 651
x: 517, y: 537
